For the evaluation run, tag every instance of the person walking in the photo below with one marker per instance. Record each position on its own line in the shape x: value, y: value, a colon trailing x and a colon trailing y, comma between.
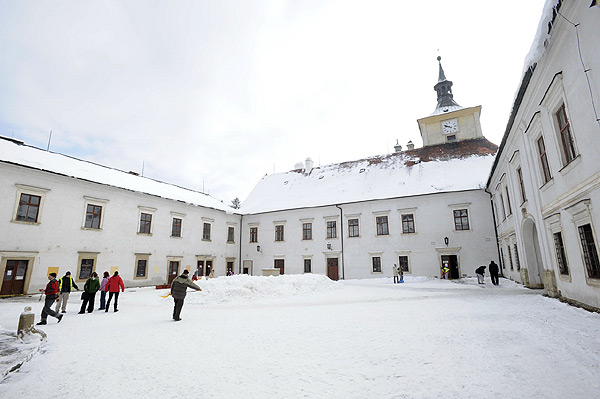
x: 494, y: 269
x: 92, y: 285
x: 65, y: 286
x: 212, y: 273
x: 113, y: 285
x: 51, y: 292
x: 103, y: 291
x: 480, y: 271
x: 179, y: 291
x: 395, y: 274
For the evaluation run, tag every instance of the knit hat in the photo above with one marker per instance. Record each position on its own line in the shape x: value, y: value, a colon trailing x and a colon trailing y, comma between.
x: 186, y: 271
x: 67, y: 273
x: 53, y: 274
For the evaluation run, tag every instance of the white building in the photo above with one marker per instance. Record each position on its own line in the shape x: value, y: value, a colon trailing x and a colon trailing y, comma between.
x: 546, y: 178
x: 62, y: 214
x: 420, y: 209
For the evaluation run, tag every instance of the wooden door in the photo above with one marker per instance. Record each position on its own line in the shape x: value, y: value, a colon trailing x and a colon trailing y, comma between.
x: 280, y: 264
x: 173, y: 271
x: 14, y: 277
x: 333, y: 271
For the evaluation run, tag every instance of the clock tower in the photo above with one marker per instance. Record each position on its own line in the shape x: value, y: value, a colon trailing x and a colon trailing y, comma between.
x: 449, y: 122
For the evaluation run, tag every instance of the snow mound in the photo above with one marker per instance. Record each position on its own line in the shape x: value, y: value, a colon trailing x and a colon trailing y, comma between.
x: 243, y: 288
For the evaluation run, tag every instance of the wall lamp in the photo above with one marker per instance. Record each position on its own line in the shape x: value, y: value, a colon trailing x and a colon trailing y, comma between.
x: 329, y: 246
x: 446, y: 240
x: 258, y: 248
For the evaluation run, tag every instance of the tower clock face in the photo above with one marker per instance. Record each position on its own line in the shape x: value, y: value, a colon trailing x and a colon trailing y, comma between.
x: 450, y: 126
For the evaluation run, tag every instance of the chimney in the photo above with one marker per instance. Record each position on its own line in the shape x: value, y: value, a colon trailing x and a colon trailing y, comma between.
x: 299, y: 165
x: 410, y: 145
x: 397, y: 147
x: 308, y: 166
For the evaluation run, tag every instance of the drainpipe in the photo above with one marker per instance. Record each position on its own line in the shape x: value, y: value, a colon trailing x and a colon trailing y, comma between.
x: 241, y: 229
x: 342, y: 237
x: 500, y: 260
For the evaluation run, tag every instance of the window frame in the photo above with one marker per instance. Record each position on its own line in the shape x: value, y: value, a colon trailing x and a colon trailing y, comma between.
x: 141, y: 257
x: 230, y: 234
x: 206, y: 231
x: 176, y: 227
x: 521, y: 185
x: 543, y: 158
x: 144, y: 210
x: 253, y: 234
x: 560, y: 253
x: 408, y: 226
x: 567, y: 142
x: 461, y: 217
x: 85, y: 255
x: 31, y: 191
x: 376, y: 264
x: 307, y: 231
x: 382, y: 228
x: 331, y: 229
x: 352, y: 228
x: 304, y: 262
x: 279, y: 230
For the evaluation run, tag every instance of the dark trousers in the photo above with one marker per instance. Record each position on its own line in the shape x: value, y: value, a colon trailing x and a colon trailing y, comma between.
x: 50, y: 299
x: 177, y: 308
x: 102, y: 300
x: 89, y: 301
x: 110, y: 295
x: 495, y: 280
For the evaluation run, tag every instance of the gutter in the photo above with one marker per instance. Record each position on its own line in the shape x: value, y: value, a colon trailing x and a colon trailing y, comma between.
x: 342, y: 237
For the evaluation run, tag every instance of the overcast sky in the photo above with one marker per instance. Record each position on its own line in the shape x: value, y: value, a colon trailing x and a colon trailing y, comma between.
x: 212, y: 95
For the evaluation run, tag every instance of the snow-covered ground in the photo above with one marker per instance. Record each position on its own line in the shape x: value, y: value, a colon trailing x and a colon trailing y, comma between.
x: 308, y: 337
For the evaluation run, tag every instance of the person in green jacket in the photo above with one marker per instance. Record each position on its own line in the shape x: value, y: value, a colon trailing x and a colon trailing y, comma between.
x: 178, y: 291
x: 92, y: 285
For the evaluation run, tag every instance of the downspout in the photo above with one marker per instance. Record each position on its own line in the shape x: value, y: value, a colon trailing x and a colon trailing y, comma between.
x: 342, y: 237
x: 241, y: 229
x: 500, y: 260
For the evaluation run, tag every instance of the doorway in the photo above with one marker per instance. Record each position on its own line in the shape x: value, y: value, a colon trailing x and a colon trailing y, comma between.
x: 333, y: 271
x: 14, y: 277
x: 173, y: 270
x: 449, y: 267
x: 247, y: 267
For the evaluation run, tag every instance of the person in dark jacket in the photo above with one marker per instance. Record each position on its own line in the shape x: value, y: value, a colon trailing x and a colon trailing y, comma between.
x: 493, y: 269
x: 103, y: 290
x: 51, y: 292
x: 65, y: 286
x: 179, y: 291
x: 113, y: 285
x: 92, y: 285
x: 480, y: 271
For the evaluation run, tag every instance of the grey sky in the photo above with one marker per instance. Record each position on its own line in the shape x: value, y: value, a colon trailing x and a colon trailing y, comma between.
x: 214, y: 94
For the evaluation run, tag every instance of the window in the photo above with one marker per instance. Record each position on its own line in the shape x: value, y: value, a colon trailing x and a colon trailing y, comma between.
x: 508, y: 202
x: 376, y: 264
x: 307, y: 265
x: 230, y: 234
x: 461, y: 219
x: 93, y: 215
x: 307, y: 231
x: 331, y: 229
x: 86, y: 269
x: 501, y: 205
x: 176, y: 228
x: 408, y: 224
x: 403, y: 263
x: 353, y: 228
x: 142, y: 267
x: 451, y: 137
x: 206, y: 232
x: 521, y: 185
x: 279, y: 232
x: 382, y: 225
x: 544, y: 160
x: 590, y: 253
x: 517, y: 262
x: 253, y: 234
x: 145, y: 223
x: 561, y: 256
x: 566, y: 139
x: 29, y: 206
x: 510, y: 262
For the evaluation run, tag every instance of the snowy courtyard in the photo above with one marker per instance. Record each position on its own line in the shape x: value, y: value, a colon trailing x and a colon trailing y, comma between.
x: 305, y: 336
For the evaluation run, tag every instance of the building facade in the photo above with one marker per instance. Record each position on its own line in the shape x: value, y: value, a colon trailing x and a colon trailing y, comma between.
x: 545, y: 181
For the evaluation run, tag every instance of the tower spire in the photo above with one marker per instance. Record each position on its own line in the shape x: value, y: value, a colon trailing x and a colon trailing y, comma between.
x: 443, y: 88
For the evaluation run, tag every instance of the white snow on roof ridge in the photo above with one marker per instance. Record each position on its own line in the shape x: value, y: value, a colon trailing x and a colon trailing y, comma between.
x: 26, y: 155
x: 374, y: 178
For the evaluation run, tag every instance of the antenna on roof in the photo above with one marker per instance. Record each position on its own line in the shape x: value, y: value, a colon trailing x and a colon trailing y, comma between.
x: 49, y: 138
x: 142, y: 168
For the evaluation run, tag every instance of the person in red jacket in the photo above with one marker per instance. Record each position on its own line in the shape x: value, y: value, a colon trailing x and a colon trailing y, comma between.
x: 113, y: 285
x: 51, y: 292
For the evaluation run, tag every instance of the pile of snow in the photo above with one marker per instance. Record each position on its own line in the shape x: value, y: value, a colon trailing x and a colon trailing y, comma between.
x: 245, y: 289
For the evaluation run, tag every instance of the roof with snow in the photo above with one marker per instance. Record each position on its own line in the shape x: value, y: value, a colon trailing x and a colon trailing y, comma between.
x: 449, y: 167
x: 17, y: 153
